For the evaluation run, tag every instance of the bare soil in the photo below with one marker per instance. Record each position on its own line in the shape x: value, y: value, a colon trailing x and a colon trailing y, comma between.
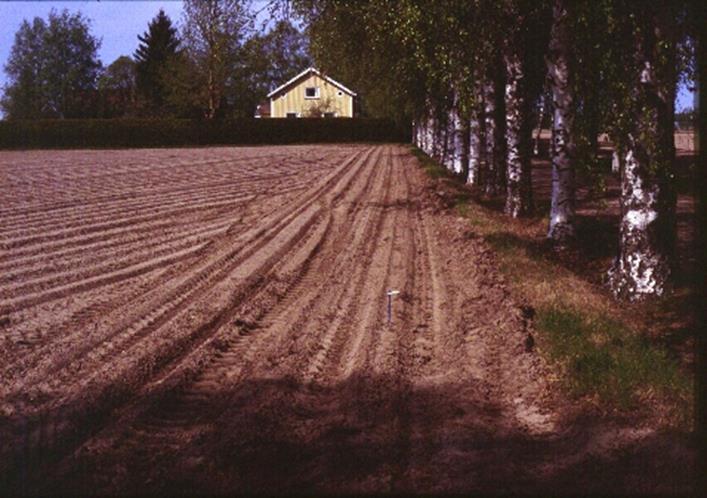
x: 214, y: 321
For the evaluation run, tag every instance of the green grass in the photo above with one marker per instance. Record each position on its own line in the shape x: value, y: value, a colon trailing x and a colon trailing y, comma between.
x: 430, y: 166
x: 579, y: 327
x: 603, y: 357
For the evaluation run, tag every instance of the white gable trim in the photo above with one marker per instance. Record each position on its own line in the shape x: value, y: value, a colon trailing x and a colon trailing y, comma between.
x: 315, y: 71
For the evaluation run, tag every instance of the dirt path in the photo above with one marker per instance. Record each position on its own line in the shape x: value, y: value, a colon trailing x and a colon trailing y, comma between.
x: 244, y: 347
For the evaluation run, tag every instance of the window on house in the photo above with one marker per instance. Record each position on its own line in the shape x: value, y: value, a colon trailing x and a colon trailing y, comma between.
x: 291, y: 114
x: 311, y: 92
x: 340, y: 93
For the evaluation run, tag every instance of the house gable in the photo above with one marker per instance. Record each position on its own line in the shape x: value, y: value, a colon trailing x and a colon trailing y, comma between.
x: 308, y: 72
x: 311, y: 93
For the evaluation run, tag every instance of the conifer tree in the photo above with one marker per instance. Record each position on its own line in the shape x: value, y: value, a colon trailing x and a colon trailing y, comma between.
x: 158, y: 46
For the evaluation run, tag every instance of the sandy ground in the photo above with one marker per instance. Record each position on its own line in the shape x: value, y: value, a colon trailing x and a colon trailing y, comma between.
x: 214, y: 320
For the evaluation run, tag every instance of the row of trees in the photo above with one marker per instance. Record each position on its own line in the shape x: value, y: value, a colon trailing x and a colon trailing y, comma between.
x: 216, y: 63
x: 476, y: 77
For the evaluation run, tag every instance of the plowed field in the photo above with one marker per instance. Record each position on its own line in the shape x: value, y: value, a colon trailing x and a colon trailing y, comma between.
x: 214, y: 320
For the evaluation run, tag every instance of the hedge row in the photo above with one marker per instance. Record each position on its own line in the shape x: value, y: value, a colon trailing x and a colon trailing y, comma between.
x: 99, y: 133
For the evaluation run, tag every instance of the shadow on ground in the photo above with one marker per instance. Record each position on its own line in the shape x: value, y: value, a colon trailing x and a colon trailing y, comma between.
x: 368, y: 434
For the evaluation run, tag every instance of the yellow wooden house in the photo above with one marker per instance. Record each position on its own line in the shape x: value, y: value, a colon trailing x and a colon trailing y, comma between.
x: 311, y: 94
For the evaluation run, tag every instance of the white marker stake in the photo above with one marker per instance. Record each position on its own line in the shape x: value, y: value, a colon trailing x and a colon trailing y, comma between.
x: 390, y: 295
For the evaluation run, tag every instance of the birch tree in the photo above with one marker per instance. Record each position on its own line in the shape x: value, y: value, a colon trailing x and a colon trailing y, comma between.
x: 519, y: 199
x: 477, y: 136
x: 213, y: 34
x: 526, y: 27
x: 562, y: 210
x: 647, y: 228
x: 494, y: 128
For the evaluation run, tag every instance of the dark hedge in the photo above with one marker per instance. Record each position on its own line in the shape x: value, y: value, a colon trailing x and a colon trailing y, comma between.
x: 99, y: 133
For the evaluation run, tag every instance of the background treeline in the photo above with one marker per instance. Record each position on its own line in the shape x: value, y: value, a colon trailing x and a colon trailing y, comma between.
x: 477, y: 76
x: 166, y: 132
x: 216, y: 62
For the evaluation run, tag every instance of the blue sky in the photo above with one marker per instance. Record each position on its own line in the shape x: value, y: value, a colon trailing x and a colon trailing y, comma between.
x: 117, y: 24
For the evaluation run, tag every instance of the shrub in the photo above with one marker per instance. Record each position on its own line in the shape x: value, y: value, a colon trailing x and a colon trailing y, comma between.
x: 101, y: 133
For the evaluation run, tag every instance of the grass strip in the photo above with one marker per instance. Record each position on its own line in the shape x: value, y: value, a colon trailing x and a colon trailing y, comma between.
x: 601, y: 355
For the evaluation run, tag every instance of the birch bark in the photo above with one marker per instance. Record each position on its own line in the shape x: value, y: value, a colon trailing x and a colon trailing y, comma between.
x: 562, y: 206
x: 455, y: 136
x: 642, y: 267
x: 490, y: 183
x: 477, y: 139
x: 518, y: 186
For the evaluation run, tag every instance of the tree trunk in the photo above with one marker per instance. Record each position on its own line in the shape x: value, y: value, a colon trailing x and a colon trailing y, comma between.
x: 647, y: 229
x: 477, y: 139
x: 429, y: 134
x: 455, y: 137
x: 423, y: 131
x: 490, y: 184
x: 618, y: 159
x: 437, y: 138
x: 497, y: 153
x: 450, y: 139
x: 562, y: 206
x: 518, y: 186
x: 542, y: 113
x: 211, y: 89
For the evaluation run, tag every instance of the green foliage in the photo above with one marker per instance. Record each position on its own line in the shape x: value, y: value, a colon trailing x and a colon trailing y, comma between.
x: 97, y: 133
x: 158, y: 47
x: 117, y: 88
x: 214, y: 32
x: 52, y: 69
x: 268, y: 60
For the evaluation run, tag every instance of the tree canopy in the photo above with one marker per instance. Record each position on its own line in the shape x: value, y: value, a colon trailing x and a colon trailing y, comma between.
x: 158, y: 46
x: 52, y: 69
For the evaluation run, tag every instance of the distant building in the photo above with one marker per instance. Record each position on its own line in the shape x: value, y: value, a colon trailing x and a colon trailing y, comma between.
x: 263, y: 110
x: 310, y: 94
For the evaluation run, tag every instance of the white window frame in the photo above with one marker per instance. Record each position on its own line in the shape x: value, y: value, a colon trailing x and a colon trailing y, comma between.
x: 316, y: 92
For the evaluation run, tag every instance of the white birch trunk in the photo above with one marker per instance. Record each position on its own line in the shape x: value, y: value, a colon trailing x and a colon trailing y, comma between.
x: 442, y: 139
x: 518, y: 185
x: 449, y: 140
x: 491, y: 158
x: 435, y: 139
x: 455, y: 137
x: 459, y: 142
x: 618, y: 159
x: 429, y: 136
x: 562, y: 205
x: 477, y: 137
x: 642, y: 267
x: 474, y: 149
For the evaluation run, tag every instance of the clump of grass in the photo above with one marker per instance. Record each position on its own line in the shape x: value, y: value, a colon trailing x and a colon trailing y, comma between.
x: 461, y: 205
x: 603, y: 357
x: 429, y: 165
x: 580, y: 327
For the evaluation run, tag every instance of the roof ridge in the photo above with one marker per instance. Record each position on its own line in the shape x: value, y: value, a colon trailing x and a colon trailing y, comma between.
x: 318, y: 73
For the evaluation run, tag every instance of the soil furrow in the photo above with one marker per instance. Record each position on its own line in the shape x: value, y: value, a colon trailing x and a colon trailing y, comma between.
x: 301, y: 224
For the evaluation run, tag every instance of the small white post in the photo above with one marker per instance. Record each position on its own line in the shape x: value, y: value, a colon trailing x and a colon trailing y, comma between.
x: 390, y: 295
